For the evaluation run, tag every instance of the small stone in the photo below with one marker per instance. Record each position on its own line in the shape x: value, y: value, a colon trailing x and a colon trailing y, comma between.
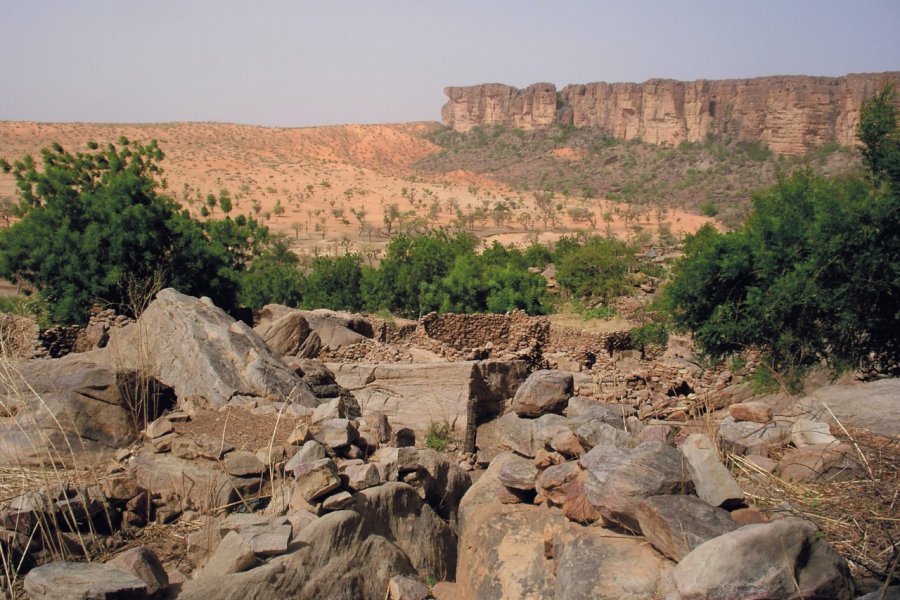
x: 748, y: 516
x: 518, y: 473
x: 233, y: 555
x: 544, y: 459
x: 338, y: 501
x: 333, y: 409
x: 360, y: 477
x: 158, y: 428
x: 315, y: 479
x: 310, y: 452
x: 336, y: 433
x: 378, y: 422
x: 754, y: 411
x: 300, y: 435
x: 146, y: 566
x: 185, y: 448
x: 269, y: 539
x: 212, y: 449
x: 244, y: 464
x: 163, y: 443
x: 406, y: 588
x: 807, y: 432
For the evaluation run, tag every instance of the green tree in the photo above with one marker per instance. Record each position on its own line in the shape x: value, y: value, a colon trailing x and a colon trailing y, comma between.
x: 334, y: 283
x: 89, y: 219
x: 598, y: 269
x: 880, y: 136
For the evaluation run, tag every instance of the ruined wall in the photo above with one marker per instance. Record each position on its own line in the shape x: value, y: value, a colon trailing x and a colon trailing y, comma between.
x: 791, y: 114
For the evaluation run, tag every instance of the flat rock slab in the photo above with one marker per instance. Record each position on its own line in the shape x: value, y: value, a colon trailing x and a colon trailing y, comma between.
x: 83, y: 581
x: 820, y: 462
x: 675, y: 525
x: 146, y: 566
x: 519, y: 473
x: 742, y: 436
x: 871, y: 405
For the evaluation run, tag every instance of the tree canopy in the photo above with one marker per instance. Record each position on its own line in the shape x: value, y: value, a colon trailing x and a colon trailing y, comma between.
x: 814, y: 273
x: 88, y: 219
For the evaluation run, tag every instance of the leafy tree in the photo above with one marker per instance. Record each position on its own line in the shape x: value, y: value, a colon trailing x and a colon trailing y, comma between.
x: 880, y: 136
x: 334, y: 283
x: 271, y: 281
x: 598, y: 269
x: 90, y: 218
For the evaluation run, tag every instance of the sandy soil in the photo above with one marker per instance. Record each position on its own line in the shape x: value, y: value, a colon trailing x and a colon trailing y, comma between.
x: 331, y: 185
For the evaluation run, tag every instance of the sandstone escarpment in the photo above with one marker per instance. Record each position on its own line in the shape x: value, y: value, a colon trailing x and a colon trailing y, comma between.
x: 791, y: 114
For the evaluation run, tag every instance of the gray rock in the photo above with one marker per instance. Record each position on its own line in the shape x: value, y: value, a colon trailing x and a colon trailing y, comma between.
x: 675, y: 525
x: 543, y: 392
x: 311, y: 451
x: 286, y: 334
x: 743, y: 436
x: 83, y: 581
x: 407, y: 588
x: 619, y: 479
x: 243, y: 464
x: 516, y: 433
x: 808, y: 432
x: 198, y: 350
x: 333, y: 409
x: 553, y: 431
x: 336, y: 433
x: 834, y: 461
x: 593, y: 433
x: 518, y: 473
x: 553, y: 482
x: 782, y: 559
x: 233, y: 555
x: 595, y: 563
x: 315, y: 479
x: 267, y: 540
x: 713, y: 482
x: 360, y: 477
x: 338, y: 501
x: 146, y: 566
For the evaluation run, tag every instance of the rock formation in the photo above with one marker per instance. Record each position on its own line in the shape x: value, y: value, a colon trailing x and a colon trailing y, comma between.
x: 791, y: 114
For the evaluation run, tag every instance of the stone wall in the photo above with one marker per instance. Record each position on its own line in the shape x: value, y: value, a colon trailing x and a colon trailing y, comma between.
x: 791, y: 114
x: 500, y: 333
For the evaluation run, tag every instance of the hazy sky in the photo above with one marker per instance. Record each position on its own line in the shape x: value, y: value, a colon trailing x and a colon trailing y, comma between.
x: 316, y: 63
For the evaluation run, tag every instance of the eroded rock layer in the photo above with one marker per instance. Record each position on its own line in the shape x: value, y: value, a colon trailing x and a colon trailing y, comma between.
x: 791, y: 114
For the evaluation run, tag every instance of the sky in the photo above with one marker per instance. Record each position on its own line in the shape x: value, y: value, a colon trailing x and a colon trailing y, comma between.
x: 305, y: 63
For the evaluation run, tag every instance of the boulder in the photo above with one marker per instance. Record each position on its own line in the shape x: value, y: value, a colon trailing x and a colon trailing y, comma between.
x: 742, y: 437
x: 833, y: 461
x: 553, y: 482
x: 198, y: 350
x: 596, y: 563
x: 243, y: 464
x: 593, y: 433
x: 336, y: 433
x: 360, y: 477
x: 675, y: 525
x: 285, y: 335
x: 83, y: 581
x: 713, y: 482
x: 204, y: 487
x: 576, y: 506
x: 553, y: 431
x: 416, y: 395
x: 407, y: 588
x: 782, y: 559
x: 146, y: 566
x: 619, y: 479
x: 337, y: 329
x: 315, y: 479
x: 518, y: 473
x: 443, y: 482
x: 516, y: 433
x: 60, y: 409
x: 544, y: 391
x: 872, y: 405
x: 502, y: 553
x: 233, y: 555
x: 311, y: 451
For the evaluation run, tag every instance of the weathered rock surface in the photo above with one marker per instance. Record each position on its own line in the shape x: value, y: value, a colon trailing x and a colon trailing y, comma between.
x: 782, y: 559
x: 758, y: 412
x: 417, y: 395
x: 516, y: 433
x: 713, y: 482
x: 790, y: 114
x: 347, y: 554
x: 543, y: 392
x: 820, y: 462
x: 675, y: 525
x: 54, y: 401
x: 809, y: 432
x: 872, y: 405
x: 596, y: 563
x: 204, y: 487
x: 618, y: 479
x: 145, y: 565
x: 83, y: 581
x: 742, y: 437
x: 286, y: 335
x: 518, y: 473
x: 197, y: 349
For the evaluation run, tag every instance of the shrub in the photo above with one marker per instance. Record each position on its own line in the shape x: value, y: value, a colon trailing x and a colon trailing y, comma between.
x: 598, y: 269
x: 438, y: 436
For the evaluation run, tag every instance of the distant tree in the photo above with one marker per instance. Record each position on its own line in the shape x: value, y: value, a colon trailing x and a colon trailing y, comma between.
x: 225, y: 202
x: 334, y: 283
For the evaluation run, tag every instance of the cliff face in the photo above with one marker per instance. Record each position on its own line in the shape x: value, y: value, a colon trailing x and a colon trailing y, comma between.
x: 790, y: 114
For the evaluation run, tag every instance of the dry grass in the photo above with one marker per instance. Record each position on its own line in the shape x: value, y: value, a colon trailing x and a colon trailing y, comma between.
x: 859, y: 518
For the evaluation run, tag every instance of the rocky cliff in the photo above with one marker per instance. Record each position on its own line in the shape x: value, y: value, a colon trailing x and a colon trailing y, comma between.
x: 790, y: 114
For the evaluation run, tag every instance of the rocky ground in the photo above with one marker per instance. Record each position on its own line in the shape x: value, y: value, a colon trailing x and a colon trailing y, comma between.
x: 187, y: 455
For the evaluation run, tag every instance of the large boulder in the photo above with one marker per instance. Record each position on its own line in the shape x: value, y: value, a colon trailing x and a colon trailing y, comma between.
x: 713, y: 482
x: 620, y: 478
x: 347, y: 554
x: 596, y: 563
x: 872, y: 405
x: 416, y: 395
x: 194, y: 347
x: 337, y: 329
x: 782, y: 559
x: 59, y: 409
x: 502, y: 554
x: 543, y: 392
x: 287, y: 335
x: 675, y: 525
